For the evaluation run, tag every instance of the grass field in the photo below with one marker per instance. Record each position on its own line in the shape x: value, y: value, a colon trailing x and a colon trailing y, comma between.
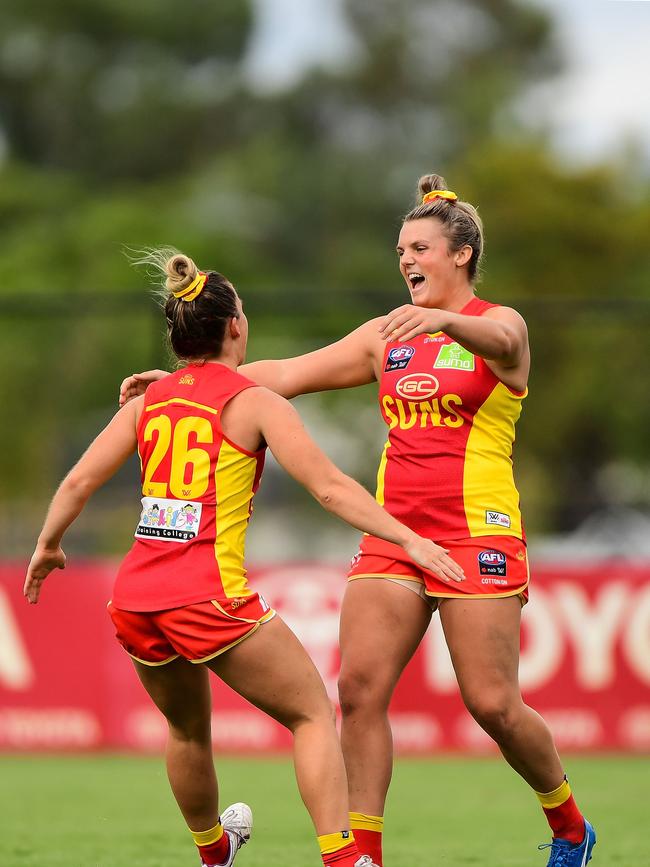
x: 117, y: 811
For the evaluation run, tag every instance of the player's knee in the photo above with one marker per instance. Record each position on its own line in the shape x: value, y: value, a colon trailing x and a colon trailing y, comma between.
x: 495, y: 712
x: 188, y: 729
x: 359, y: 691
x: 318, y: 711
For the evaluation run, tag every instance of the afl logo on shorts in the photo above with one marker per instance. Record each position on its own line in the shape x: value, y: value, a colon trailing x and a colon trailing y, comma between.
x: 492, y: 562
x: 417, y: 386
x: 399, y: 357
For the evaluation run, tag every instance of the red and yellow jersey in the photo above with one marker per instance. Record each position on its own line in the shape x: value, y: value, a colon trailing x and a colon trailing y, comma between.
x: 446, y: 469
x: 197, y: 492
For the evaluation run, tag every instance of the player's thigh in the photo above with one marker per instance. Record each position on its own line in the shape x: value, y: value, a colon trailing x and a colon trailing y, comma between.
x: 181, y: 691
x: 483, y: 640
x: 273, y: 671
x: 382, y: 624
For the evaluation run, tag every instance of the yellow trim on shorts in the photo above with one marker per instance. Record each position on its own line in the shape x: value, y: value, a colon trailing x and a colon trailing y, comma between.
x: 516, y: 592
x: 152, y: 664
x: 266, y: 616
x: 256, y: 626
x: 390, y: 575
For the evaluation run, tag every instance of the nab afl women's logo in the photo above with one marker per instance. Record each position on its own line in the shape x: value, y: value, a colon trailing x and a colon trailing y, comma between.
x: 417, y: 386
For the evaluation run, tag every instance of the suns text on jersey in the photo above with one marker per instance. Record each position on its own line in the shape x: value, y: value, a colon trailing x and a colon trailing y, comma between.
x: 435, y: 412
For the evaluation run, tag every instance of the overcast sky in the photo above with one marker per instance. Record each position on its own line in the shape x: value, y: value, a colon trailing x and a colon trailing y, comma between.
x: 594, y: 107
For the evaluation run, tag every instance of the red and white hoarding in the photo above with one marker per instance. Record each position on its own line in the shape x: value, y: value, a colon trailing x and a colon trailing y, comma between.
x: 585, y: 664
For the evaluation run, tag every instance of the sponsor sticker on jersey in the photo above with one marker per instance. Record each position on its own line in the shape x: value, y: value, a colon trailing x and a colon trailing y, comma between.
x: 168, y: 520
x: 399, y: 357
x: 453, y: 356
x: 417, y: 386
x: 498, y: 518
x: 492, y: 562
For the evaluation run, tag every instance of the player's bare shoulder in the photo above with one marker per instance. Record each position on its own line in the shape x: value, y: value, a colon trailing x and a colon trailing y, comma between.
x: 369, y: 336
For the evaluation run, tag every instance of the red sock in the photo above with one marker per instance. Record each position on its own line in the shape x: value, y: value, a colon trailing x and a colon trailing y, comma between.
x: 339, y: 850
x: 563, y: 815
x: 369, y: 843
x: 368, y: 834
x: 212, y: 851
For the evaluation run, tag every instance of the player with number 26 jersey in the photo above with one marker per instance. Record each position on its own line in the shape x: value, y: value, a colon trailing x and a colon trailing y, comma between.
x: 197, y: 492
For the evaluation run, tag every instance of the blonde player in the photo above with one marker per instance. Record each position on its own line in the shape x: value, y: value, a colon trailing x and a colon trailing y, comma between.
x: 181, y: 604
x: 452, y: 372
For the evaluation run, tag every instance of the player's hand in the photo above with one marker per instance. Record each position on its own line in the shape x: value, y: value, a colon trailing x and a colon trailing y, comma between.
x: 435, y: 559
x: 406, y: 321
x: 43, y: 561
x: 136, y: 384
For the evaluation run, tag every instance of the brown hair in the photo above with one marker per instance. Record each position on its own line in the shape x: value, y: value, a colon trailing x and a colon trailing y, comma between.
x: 461, y: 222
x: 196, y: 329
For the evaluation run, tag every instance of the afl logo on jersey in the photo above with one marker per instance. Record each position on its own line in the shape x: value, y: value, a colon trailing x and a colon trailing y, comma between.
x: 417, y: 386
x: 399, y: 357
x: 492, y: 562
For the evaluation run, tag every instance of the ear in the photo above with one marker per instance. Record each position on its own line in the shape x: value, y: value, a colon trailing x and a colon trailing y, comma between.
x: 462, y: 256
x: 235, y: 330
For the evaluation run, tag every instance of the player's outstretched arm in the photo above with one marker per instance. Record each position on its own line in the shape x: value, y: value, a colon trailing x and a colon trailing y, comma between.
x: 344, y: 364
x: 102, y: 459
x: 299, y: 455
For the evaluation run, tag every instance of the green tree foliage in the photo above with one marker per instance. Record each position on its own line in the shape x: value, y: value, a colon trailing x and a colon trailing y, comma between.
x: 137, y: 124
x: 120, y: 90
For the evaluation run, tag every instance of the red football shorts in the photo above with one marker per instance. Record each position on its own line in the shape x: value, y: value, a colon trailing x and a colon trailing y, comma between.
x: 494, y: 566
x: 196, y: 632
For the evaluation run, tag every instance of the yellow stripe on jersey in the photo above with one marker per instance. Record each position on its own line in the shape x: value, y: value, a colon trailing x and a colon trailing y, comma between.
x: 234, y: 477
x: 488, y: 482
x: 184, y: 402
x: 381, y: 473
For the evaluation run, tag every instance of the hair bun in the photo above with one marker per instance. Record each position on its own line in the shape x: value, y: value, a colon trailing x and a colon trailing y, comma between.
x: 180, y: 271
x: 429, y: 183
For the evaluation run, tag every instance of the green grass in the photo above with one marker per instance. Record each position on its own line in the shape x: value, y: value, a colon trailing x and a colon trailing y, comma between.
x: 117, y: 811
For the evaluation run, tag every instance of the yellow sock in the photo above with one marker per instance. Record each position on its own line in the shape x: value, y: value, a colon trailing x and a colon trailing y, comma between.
x: 550, y: 800
x: 361, y: 821
x: 330, y: 843
x: 207, y: 838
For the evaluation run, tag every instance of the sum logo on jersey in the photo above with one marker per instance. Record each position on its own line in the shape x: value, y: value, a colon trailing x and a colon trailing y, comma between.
x: 455, y: 357
x: 186, y: 379
x: 417, y: 386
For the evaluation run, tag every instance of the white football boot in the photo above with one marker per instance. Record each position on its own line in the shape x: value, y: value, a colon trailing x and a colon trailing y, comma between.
x: 237, y: 821
x: 365, y: 861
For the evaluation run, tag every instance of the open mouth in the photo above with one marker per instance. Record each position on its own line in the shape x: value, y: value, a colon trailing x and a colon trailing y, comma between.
x: 415, y: 278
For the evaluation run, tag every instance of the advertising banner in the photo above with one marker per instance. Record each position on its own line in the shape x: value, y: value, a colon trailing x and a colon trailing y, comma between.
x: 65, y: 683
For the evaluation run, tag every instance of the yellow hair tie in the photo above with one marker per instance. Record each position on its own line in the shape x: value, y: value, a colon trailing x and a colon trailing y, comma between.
x: 189, y: 293
x: 439, y: 194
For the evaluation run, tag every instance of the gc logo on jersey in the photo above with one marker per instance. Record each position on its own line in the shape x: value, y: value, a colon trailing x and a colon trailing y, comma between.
x: 399, y: 357
x: 417, y: 386
x: 492, y: 562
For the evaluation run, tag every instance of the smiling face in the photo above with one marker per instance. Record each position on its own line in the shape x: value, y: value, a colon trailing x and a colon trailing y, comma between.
x: 431, y: 270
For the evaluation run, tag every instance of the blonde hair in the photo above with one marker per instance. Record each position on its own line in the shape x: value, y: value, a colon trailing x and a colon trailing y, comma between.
x: 461, y: 222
